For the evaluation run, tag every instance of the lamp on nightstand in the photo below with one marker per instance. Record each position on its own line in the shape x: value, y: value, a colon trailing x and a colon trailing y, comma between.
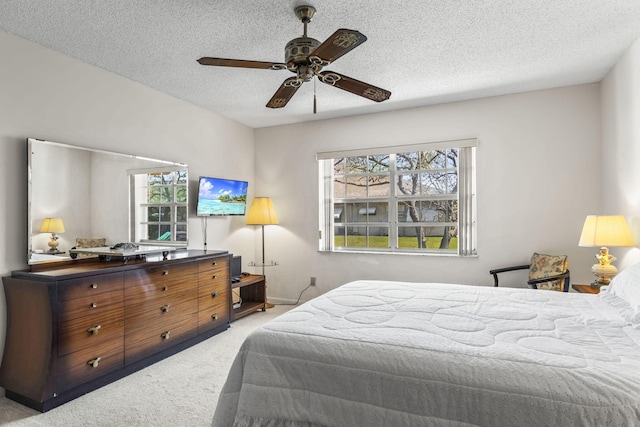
x: 604, y: 231
x: 262, y: 213
x: 53, y: 226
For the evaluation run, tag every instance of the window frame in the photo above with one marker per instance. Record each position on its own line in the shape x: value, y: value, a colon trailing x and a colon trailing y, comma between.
x: 465, y: 197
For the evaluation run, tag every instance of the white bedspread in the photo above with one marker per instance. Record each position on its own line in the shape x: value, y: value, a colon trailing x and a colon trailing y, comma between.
x: 374, y: 353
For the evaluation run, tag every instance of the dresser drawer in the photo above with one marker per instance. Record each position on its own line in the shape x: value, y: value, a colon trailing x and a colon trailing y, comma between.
x: 148, y: 341
x: 213, y: 312
x: 210, y: 281
x: 158, y: 313
x: 215, y: 295
x: 86, y: 365
x: 90, y: 331
x: 208, y: 264
x: 218, y: 276
x: 213, y: 290
x: 90, y: 306
x: 89, y: 286
x: 161, y: 281
x: 159, y: 273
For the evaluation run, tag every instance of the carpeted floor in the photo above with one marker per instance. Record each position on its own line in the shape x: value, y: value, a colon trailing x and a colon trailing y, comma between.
x: 181, y: 390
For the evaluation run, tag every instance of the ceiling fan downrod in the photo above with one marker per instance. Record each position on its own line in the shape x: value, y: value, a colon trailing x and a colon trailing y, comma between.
x: 305, y: 14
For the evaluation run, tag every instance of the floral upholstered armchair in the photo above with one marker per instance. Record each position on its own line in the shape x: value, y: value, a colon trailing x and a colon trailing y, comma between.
x: 549, y: 272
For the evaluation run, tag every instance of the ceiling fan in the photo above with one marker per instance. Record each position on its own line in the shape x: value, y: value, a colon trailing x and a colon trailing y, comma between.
x: 306, y: 57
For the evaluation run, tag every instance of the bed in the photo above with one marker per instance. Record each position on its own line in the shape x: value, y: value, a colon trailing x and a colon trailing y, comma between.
x: 383, y: 353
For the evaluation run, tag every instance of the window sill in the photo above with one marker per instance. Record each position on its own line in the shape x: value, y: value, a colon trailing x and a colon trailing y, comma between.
x: 431, y: 254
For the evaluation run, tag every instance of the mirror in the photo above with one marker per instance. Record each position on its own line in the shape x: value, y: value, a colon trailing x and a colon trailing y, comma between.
x: 101, y: 198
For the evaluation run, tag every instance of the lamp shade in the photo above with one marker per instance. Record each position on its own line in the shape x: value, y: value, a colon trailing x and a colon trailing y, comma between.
x: 262, y: 212
x: 52, y: 225
x: 606, y: 230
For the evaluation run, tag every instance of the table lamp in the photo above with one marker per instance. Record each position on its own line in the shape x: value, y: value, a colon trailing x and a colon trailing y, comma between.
x: 604, y: 231
x: 53, y: 226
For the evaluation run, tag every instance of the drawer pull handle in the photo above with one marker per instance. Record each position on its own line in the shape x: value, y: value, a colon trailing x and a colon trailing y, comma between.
x: 214, y: 276
x: 165, y: 288
x: 214, y: 263
x: 165, y: 335
x: 165, y: 308
x: 94, y: 286
x: 94, y: 330
x: 165, y: 273
x: 214, y: 316
x: 94, y: 362
x: 214, y: 294
x: 94, y: 305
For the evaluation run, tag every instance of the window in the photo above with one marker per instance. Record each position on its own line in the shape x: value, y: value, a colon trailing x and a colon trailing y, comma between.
x: 160, y: 206
x: 406, y: 199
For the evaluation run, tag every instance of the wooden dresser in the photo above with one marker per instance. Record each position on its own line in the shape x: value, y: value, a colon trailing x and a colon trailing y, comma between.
x: 75, y: 326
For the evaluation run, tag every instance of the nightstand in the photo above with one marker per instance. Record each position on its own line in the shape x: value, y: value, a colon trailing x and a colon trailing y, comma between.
x: 252, y: 292
x: 586, y: 289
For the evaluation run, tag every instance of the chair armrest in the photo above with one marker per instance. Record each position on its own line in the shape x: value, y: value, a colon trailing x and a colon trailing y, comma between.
x: 566, y: 276
x: 495, y: 272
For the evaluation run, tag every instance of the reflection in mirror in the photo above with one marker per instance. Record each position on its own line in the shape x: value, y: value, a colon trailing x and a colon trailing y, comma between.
x: 102, y: 198
x: 159, y: 197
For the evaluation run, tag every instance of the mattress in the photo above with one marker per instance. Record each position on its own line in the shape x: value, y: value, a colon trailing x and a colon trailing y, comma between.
x: 380, y: 353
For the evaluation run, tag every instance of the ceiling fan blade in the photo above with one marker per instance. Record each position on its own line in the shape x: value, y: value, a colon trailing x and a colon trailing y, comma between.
x: 339, y: 43
x: 284, y: 92
x: 241, y: 63
x: 354, y: 86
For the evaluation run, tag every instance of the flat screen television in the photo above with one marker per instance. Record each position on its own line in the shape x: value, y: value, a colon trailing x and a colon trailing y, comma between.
x: 221, y: 197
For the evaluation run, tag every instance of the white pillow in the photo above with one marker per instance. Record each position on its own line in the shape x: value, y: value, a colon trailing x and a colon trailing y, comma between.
x: 626, y: 285
x: 624, y: 293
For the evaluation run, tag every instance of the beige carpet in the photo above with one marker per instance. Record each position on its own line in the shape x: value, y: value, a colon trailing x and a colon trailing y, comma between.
x: 179, y: 391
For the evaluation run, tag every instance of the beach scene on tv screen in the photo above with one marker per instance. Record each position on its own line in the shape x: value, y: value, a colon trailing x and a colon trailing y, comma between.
x: 221, y: 197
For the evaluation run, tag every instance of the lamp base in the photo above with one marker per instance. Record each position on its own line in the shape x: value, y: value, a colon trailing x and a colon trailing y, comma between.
x: 53, y: 244
x: 604, y: 274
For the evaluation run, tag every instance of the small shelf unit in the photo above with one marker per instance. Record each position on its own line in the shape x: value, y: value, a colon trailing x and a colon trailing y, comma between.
x: 252, y: 289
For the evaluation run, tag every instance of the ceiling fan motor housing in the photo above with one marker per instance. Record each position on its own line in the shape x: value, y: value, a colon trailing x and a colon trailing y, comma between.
x: 297, y: 51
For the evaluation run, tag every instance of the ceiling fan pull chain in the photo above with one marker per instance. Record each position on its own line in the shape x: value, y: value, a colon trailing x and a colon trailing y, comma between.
x: 315, y: 110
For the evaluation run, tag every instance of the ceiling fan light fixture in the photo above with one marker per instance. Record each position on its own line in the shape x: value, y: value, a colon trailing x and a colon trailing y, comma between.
x: 306, y: 72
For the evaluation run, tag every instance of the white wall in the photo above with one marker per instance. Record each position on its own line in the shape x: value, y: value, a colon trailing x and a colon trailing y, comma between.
x: 538, y: 176
x: 46, y: 95
x: 620, y: 161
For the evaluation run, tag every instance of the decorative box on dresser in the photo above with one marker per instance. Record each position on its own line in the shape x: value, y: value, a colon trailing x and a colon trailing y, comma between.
x: 75, y: 326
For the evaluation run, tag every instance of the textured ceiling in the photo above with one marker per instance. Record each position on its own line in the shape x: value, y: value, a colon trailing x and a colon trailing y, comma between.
x: 424, y: 52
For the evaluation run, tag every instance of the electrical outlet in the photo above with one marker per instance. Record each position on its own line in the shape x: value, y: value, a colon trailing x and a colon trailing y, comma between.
x: 313, y: 281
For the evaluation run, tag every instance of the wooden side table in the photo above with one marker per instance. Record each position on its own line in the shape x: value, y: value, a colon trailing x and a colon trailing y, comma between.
x: 252, y: 291
x: 586, y: 289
